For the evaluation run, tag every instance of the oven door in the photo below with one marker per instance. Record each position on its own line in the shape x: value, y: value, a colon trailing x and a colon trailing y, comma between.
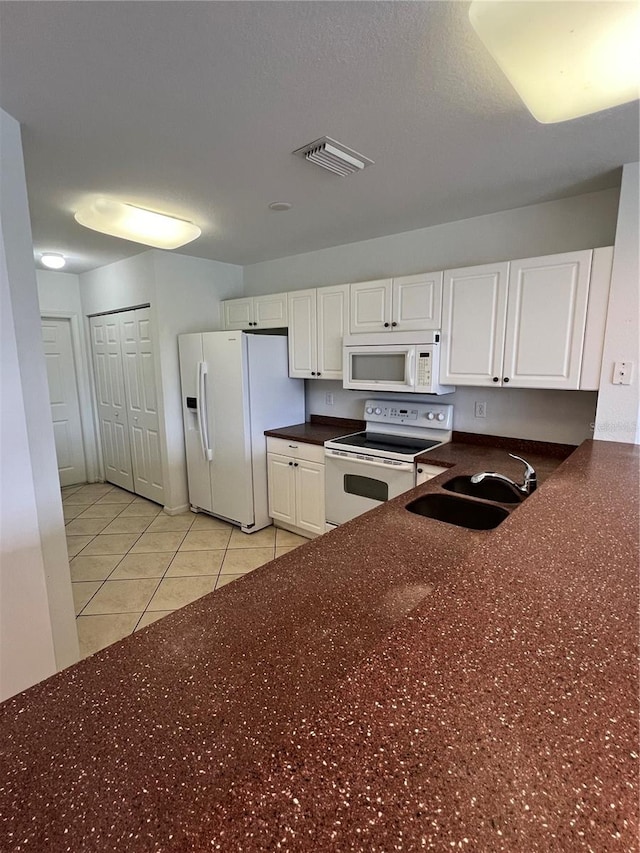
x: 354, y: 485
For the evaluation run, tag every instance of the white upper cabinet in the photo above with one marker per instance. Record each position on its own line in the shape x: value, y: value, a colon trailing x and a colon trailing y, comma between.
x: 519, y: 324
x: 400, y: 304
x: 256, y: 312
x: 370, y: 306
x: 417, y: 302
x: 546, y: 315
x: 474, y: 310
x: 318, y: 320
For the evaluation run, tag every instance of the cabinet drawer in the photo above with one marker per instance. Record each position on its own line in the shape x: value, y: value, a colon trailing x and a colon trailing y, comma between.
x: 296, y: 449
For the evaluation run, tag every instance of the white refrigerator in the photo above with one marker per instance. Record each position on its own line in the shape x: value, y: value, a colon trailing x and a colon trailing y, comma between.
x: 234, y: 386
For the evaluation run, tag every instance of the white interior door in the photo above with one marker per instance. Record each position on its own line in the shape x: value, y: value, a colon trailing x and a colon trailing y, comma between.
x: 142, y: 404
x: 63, y: 396
x: 112, y: 410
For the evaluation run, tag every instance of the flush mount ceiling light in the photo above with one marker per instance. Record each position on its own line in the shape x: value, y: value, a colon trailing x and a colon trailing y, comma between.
x: 280, y: 205
x: 53, y: 260
x: 564, y: 59
x: 334, y: 156
x: 135, y: 223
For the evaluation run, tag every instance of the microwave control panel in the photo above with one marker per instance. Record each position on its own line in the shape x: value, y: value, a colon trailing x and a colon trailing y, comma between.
x: 434, y: 415
x: 424, y: 369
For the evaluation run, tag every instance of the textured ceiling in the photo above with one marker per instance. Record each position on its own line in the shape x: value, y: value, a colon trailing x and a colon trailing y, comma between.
x: 194, y: 108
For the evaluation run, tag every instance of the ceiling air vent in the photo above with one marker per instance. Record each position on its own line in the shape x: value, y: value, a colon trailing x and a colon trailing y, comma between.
x: 333, y: 156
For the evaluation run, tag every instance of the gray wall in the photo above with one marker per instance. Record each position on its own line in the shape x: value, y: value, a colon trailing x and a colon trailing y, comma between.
x: 582, y: 222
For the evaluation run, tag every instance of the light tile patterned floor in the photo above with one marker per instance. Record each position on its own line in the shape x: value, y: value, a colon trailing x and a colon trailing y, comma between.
x: 132, y: 564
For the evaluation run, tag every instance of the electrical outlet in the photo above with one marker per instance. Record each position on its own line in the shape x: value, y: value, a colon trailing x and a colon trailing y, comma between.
x: 480, y: 409
x: 328, y: 398
x: 622, y: 371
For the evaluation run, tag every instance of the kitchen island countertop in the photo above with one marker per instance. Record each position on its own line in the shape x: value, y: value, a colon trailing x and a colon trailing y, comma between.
x: 397, y: 684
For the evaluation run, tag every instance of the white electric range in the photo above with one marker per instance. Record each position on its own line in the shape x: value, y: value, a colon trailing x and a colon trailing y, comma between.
x: 364, y: 469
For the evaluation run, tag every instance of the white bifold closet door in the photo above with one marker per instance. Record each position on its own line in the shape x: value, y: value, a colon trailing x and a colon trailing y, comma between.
x: 127, y: 401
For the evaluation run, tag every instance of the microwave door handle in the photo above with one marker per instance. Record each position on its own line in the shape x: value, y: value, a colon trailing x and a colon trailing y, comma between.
x: 410, y: 376
x: 202, y: 411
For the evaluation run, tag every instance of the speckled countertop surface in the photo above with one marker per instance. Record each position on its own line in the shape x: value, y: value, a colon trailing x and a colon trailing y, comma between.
x: 398, y: 684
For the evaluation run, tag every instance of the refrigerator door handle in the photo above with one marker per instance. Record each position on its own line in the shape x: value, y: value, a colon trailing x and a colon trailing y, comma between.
x: 207, y: 452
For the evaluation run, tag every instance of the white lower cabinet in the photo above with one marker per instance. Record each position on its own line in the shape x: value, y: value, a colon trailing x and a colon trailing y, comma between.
x: 296, y: 486
x: 427, y: 472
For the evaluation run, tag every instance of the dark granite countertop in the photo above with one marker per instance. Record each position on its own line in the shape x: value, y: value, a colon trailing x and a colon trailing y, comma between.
x: 397, y: 684
x: 318, y: 430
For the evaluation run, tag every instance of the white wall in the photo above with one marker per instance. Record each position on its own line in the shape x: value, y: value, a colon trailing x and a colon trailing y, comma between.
x: 124, y: 284
x: 188, y: 295
x: 582, y: 222
x: 37, y: 624
x: 618, y: 415
x: 184, y: 294
x: 564, y: 417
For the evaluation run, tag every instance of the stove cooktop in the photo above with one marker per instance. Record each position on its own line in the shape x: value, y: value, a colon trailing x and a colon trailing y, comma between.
x: 386, y: 443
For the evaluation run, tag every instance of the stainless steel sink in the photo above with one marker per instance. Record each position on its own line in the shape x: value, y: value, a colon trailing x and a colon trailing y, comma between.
x: 458, y: 511
x: 490, y: 490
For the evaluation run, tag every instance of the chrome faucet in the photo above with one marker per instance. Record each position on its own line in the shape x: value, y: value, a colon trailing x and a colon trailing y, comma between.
x: 530, y: 479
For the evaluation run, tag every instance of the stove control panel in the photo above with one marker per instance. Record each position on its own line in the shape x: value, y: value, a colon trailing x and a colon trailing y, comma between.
x: 409, y: 413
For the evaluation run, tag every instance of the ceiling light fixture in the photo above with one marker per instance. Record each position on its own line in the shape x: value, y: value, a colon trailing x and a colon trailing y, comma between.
x: 129, y: 222
x: 52, y: 260
x: 280, y: 205
x: 333, y: 156
x: 564, y: 59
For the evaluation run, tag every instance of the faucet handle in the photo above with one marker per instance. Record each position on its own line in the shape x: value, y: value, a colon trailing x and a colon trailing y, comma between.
x: 529, y: 473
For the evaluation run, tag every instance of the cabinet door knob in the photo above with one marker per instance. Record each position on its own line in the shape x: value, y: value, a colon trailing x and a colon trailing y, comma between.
x: 419, y: 470
x: 506, y: 379
x: 318, y: 373
x: 290, y: 463
x: 386, y: 325
x: 394, y: 323
x: 295, y: 464
x: 313, y: 373
x: 495, y: 379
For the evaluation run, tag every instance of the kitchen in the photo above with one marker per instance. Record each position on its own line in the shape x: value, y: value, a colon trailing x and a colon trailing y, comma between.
x: 579, y: 222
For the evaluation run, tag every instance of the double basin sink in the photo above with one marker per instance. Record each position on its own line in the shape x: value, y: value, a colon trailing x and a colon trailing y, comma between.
x: 472, y: 514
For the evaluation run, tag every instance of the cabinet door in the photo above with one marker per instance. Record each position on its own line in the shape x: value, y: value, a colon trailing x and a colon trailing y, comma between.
x: 238, y: 313
x: 270, y: 312
x: 546, y: 315
x: 371, y: 306
x: 281, y: 483
x: 310, y: 496
x: 417, y: 302
x: 302, y: 334
x: 473, y: 319
x: 333, y: 324
x: 142, y: 403
x: 111, y: 402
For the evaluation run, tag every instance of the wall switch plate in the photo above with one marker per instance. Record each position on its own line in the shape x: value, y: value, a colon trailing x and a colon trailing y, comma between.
x: 480, y: 410
x: 328, y: 398
x: 622, y: 371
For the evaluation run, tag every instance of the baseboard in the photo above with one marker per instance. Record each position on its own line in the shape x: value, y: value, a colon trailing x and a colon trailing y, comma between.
x: 176, y: 510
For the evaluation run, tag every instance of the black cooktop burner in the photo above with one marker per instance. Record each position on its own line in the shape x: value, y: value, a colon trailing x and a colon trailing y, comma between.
x: 387, y: 443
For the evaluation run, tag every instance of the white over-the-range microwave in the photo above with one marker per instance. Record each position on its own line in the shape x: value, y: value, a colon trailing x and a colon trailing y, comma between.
x: 408, y: 362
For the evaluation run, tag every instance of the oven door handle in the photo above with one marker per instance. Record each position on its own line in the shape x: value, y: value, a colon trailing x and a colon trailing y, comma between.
x: 353, y: 460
